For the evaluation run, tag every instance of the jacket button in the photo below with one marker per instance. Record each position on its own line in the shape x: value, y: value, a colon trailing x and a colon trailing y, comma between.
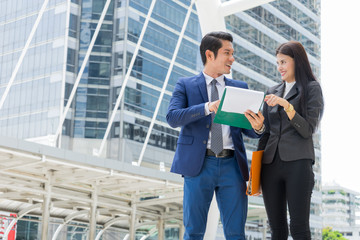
x: 207, y: 126
x: 204, y: 142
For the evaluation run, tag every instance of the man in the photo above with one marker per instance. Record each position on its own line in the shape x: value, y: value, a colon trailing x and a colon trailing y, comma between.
x: 211, y: 156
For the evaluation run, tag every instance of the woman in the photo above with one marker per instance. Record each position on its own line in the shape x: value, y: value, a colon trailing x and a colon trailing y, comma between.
x: 292, y: 112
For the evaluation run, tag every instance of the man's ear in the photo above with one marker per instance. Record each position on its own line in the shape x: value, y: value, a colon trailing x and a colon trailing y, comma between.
x: 209, y: 55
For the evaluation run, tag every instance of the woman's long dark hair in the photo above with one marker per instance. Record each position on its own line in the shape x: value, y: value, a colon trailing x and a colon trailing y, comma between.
x: 303, y: 71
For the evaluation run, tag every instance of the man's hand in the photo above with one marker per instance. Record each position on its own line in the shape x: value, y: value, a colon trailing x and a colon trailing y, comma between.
x: 213, y: 106
x: 256, y: 120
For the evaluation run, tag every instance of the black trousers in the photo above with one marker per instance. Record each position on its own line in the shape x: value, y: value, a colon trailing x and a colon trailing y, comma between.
x: 288, y: 184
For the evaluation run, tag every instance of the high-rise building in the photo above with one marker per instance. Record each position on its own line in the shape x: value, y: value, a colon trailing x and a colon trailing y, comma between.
x: 341, y: 210
x: 35, y: 105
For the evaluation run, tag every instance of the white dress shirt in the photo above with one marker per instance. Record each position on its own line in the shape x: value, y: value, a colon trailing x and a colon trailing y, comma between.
x: 288, y: 87
x: 220, y: 85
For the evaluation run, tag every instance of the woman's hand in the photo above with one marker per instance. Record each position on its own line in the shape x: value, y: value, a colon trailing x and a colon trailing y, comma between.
x: 256, y: 120
x: 273, y: 100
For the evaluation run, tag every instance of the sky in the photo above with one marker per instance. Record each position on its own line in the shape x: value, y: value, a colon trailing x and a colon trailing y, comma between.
x: 340, y: 80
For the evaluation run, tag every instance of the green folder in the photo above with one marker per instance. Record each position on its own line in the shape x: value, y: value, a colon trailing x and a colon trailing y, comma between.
x: 231, y: 118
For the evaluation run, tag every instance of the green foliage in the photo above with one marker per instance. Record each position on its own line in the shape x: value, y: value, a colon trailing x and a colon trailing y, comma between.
x: 342, y: 192
x: 329, y: 234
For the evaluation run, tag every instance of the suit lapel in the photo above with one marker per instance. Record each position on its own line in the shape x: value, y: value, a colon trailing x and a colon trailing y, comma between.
x: 202, y: 87
x: 279, y: 91
x: 292, y: 93
x: 228, y: 82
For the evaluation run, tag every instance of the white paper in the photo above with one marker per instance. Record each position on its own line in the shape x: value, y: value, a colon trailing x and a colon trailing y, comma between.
x: 238, y: 100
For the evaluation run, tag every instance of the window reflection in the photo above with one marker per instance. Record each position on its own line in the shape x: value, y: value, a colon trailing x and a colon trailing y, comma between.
x: 160, y: 137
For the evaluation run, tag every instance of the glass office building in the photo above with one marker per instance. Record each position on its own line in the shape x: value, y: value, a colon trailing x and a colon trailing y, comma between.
x: 46, y: 77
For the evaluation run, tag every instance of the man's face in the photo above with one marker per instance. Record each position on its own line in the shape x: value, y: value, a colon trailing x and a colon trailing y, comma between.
x: 223, y: 61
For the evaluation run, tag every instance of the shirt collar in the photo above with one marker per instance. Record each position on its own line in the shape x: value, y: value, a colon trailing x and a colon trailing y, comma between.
x: 289, y: 85
x: 220, y: 79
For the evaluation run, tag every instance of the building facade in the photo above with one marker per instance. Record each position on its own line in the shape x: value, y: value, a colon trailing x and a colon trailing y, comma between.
x: 341, y: 210
x: 36, y: 102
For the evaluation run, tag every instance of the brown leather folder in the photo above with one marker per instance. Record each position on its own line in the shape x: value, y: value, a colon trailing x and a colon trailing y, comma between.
x: 253, y: 188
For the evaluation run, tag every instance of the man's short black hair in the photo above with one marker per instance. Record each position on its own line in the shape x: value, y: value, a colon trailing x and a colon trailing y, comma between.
x: 212, y: 42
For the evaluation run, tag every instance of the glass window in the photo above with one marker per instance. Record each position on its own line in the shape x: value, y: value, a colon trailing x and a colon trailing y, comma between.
x: 297, y: 15
x: 97, y: 103
x: 161, y: 136
x: 99, y: 69
x: 71, y: 59
x: 73, y: 25
x: 256, y: 63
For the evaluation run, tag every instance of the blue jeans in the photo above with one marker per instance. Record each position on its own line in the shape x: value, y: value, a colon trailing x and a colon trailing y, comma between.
x: 223, y: 176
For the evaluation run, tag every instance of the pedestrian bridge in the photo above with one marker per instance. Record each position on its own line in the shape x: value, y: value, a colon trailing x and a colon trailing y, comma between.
x: 52, y: 183
x: 44, y: 181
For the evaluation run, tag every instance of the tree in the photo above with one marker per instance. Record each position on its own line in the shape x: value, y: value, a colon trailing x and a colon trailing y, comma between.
x: 329, y: 234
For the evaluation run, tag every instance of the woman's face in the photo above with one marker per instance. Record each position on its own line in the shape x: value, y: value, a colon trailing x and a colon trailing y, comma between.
x: 286, y: 67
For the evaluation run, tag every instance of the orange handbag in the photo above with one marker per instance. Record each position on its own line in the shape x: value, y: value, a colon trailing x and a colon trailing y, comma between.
x: 253, y: 188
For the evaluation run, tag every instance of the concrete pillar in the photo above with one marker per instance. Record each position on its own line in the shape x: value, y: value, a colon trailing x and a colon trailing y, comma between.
x: 181, y: 231
x: 213, y: 220
x: 92, y: 221
x: 264, y: 230
x: 132, y: 229
x: 46, y: 207
x: 161, y: 230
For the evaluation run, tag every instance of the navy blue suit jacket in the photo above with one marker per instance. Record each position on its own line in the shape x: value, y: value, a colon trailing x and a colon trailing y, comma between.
x: 187, y: 110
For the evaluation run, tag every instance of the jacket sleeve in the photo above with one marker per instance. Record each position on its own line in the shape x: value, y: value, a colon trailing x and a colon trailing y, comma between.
x: 265, y: 137
x: 179, y: 112
x: 251, y: 133
x: 315, y: 104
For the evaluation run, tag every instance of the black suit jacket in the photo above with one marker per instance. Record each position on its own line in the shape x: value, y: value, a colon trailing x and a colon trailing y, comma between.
x: 292, y: 138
